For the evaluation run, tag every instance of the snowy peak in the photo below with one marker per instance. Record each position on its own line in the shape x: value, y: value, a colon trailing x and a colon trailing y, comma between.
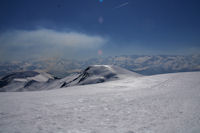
x: 108, y: 71
x: 98, y: 74
x: 24, y: 79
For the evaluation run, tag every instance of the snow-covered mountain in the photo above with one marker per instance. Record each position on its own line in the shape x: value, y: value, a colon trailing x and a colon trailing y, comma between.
x: 35, y: 81
x: 98, y: 74
x: 25, y: 81
x: 166, y: 103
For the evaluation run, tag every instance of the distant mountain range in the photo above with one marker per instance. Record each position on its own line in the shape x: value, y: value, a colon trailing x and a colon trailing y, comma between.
x: 143, y: 64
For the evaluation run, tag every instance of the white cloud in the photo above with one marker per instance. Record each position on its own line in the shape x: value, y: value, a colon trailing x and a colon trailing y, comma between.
x: 47, y: 37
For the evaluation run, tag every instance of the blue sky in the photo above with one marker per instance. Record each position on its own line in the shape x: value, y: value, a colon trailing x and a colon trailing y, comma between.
x: 114, y: 27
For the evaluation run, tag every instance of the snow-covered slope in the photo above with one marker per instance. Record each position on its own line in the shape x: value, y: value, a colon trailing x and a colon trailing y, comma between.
x: 24, y: 81
x: 167, y: 103
x: 98, y: 74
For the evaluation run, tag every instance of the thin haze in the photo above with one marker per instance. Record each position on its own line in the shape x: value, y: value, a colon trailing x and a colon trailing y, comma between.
x: 91, y: 28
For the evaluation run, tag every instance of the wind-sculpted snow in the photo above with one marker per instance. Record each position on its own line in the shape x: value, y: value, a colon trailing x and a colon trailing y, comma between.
x: 167, y: 103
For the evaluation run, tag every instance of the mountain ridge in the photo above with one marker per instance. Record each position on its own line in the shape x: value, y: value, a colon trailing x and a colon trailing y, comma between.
x: 142, y: 64
x: 33, y: 81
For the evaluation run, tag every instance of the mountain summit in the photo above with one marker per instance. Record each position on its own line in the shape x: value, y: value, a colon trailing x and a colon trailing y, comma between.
x: 98, y: 74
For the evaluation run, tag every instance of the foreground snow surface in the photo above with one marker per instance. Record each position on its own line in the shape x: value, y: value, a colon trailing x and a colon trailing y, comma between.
x: 168, y: 103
